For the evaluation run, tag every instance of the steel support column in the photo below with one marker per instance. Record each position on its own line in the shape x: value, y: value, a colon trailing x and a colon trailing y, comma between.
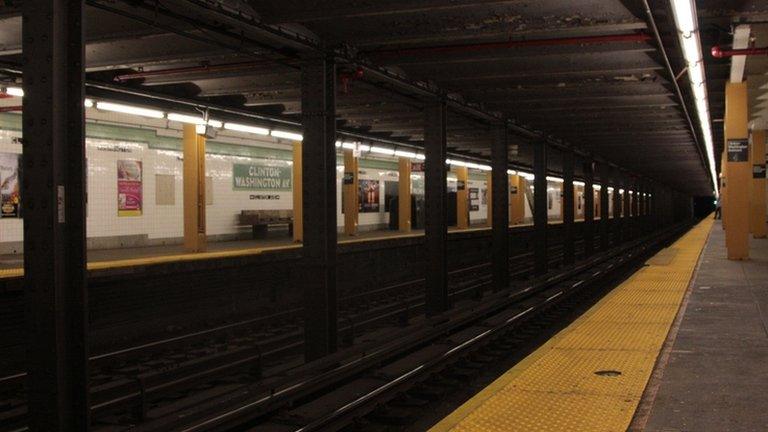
x: 500, y: 209
x: 53, y: 200
x: 605, y: 221
x: 626, y: 217
x: 568, y: 208
x: 435, y: 195
x: 636, y: 209
x: 616, y: 222
x: 589, y: 208
x: 540, y: 207
x: 318, y: 109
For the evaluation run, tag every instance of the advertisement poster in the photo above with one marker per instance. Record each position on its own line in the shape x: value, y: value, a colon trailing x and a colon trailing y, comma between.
x: 10, y: 199
x: 369, y: 196
x: 129, y: 188
x: 255, y: 176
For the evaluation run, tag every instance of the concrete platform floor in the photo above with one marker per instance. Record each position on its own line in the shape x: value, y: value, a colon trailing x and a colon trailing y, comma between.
x: 11, y: 264
x: 713, y: 374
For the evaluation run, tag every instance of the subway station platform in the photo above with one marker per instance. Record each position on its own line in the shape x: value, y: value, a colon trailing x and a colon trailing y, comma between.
x: 681, y: 345
x: 11, y: 265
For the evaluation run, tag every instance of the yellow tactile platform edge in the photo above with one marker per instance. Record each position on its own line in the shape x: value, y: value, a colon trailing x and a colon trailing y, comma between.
x: 556, y: 387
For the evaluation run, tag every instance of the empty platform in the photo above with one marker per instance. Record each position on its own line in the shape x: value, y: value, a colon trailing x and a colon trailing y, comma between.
x: 592, y: 375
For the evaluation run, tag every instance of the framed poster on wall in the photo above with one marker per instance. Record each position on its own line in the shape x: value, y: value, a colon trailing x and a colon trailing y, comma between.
x: 10, y: 198
x: 369, y: 196
x: 129, y: 188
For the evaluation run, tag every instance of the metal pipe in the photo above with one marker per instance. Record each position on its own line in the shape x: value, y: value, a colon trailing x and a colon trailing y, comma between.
x: 583, y: 40
x: 718, y: 52
x: 228, y: 67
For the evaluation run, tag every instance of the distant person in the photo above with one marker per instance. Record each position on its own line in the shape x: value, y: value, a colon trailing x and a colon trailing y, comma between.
x: 718, y: 210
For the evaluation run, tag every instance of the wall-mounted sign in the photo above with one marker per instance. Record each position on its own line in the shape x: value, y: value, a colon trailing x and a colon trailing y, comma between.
x: 264, y: 197
x: 417, y: 166
x: 349, y: 178
x: 129, y: 188
x: 10, y: 198
x: 460, y: 185
x: 256, y: 176
x: 513, y: 189
x: 758, y: 171
x: 738, y: 150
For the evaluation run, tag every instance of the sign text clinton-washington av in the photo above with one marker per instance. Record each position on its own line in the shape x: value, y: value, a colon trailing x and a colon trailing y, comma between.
x: 261, y: 177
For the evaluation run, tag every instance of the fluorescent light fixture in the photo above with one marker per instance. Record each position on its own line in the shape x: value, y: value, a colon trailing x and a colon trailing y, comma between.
x: 14, y: 91
x: 420, y: 156
x: 456, y: 162
x: 621, y: 191
x: 686, y: 21
x: 579, y: 183
x: 525, y: 175
x: 88, y: 103
x: 245, y: 128
x: 555, y: 179
x: 511, y: 172
x: 286, y: 135
x: 128, y: 109
x: 596, y: 187
x: 200, y: 129
x: 363, y: 147
x: 348, y: 145
x: 338, y: 144
x: 183, y: 118
x: 382, y: 150
x: 405, y: 154
x: 610, y: 189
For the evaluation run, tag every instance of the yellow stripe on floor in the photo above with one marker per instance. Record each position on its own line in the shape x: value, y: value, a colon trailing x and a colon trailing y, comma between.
x: 571, y: 382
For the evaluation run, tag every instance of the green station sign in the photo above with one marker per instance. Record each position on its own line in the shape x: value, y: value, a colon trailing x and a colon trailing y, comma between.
x: 261, y: 177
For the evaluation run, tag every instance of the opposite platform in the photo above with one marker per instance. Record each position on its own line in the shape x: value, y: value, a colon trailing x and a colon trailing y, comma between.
x: 591, y: 376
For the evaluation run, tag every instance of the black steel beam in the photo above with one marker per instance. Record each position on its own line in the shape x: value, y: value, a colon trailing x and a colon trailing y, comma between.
x: 53, y: 200
x: 435, y: 195
x: 589, y: 208
x: 625, y: 219
x: 540, y: 207
x: 616, y: 223
x: 604, y: 219
x: 568, y: 208
x: 318, y: 90
x: 500, y: 208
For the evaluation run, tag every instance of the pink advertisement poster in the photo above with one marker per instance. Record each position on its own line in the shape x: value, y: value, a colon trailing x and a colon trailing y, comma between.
x: 129, y: 188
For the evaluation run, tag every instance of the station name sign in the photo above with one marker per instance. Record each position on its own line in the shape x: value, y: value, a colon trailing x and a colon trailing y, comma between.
x: 738, y: 150
x: 261, y: 177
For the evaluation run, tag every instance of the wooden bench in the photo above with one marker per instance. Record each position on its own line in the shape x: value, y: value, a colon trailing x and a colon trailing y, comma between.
x: 261, y: 220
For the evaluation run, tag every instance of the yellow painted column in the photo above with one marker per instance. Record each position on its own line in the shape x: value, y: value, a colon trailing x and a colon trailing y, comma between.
x: 488, y: 200
x: 462, y: 201
x: 404, y: 195
x: 298, y: 200
x: 757, y: 191
x: 194, y: 190
x: 739, y: 171
x: 350, y: 193
x: 516, y: 199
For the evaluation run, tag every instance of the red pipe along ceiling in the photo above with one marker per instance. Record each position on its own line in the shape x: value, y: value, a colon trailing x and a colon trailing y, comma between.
x: 583, y: 40
x: 718, y: 52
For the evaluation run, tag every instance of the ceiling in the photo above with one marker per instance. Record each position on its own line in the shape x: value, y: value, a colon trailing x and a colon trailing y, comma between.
x: 588, y: 73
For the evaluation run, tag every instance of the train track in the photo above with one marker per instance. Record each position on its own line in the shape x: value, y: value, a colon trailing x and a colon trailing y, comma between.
x: 346, y: 388
x: 125, y: 382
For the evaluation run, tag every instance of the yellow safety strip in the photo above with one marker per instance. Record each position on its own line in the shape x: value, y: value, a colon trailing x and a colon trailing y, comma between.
x: 591, y: 375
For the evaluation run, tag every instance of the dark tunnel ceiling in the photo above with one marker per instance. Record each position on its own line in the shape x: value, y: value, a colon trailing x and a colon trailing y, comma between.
x: 610, y: 96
